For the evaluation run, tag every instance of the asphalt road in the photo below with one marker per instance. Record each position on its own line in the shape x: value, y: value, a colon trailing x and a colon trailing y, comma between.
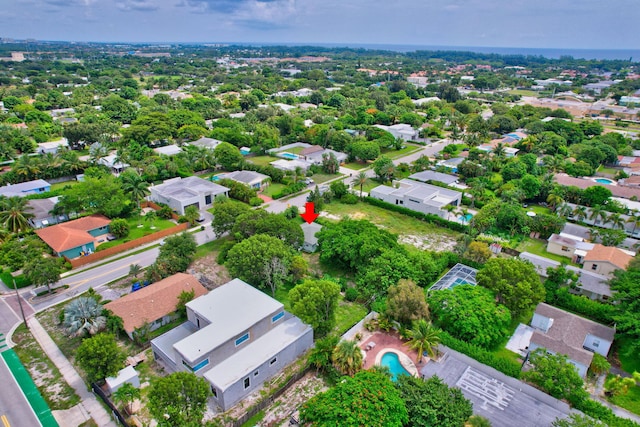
x: 13, y: 404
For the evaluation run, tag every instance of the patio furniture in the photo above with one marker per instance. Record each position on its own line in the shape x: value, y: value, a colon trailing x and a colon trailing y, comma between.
x: 370, y: 346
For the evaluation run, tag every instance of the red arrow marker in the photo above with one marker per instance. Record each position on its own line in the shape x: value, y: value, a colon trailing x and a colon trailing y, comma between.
x: 309, y: 214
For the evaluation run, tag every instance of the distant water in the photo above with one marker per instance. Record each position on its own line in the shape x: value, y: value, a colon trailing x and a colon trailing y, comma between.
x: 554, y: 53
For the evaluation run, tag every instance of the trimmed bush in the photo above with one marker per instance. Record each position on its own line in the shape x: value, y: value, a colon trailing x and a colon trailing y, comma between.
x: 290, y: 189
x: 119, y: 227
x: 594, y: 310
x: 255, y: 201
x: 430, y: 218
x: 349, y: 199
x: 351, y: 294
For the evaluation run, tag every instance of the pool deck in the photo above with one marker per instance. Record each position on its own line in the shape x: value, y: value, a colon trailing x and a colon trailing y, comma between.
x: 389, y: 341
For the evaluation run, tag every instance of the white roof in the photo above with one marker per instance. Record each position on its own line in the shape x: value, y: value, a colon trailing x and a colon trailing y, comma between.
x: 231, y: 309
x: 249, y: 358
x: 62, y: 142
x: 168, y: 150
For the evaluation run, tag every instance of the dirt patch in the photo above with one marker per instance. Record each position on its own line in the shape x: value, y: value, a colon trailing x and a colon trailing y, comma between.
x: 358, y: 215
x: 430, y: 242
x: 209, y: 272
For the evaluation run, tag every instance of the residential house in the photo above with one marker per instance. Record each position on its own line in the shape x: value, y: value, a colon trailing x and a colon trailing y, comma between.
x: 590, y: 284
x: 41, y: 210
x: 111, y: 161
x: 255, y: 180
x: 75, y: 238
x: 451, y: 164
x: 236, y: 337
x: 168, y: 150
x: 605, y: 260
x: 310, y: 243
x: 418, y: 197
x: 291, y: 165
x: 155, y: 304
x: 561, y: 332
x: 402, y: 130
x: 573, y: 247
x: 52, y: 147
x: 426, y: 176
x: 180, y: 193
x: 205, y: 142
x: 25, y: 188
x: 315, y: 153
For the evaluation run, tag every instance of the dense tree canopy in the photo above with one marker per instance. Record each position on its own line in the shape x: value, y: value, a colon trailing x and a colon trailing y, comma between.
x: 315, y: 302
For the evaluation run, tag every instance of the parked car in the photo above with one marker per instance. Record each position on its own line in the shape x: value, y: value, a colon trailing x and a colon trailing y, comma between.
x: 111, y: 237
x: 309, y: 181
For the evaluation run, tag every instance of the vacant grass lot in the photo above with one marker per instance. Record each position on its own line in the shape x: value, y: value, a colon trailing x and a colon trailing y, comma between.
x: 392, y: 221
x: 320, y: 178
x: 273, y: 188
x: 522, y: 92
x: 356, y: 165
x: 62, y: 185
x: 394, y: 154
x: 261, y: 160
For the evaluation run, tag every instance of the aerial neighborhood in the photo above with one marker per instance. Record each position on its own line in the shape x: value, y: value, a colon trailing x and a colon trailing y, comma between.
x: 214, y: 235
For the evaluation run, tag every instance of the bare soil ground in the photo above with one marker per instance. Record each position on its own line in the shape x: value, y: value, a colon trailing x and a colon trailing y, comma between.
x: 209, y: 272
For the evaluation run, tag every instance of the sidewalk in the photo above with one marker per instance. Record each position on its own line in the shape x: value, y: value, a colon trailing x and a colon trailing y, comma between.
x: 90, y: 404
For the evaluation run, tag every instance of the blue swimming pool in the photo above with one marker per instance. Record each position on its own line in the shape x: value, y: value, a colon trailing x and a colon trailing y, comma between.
x: 604, y: 181
x: 289, y: 156
x: 391, y: 361
x: 465, y: 218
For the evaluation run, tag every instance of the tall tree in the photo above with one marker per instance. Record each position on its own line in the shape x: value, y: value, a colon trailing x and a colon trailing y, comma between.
x: 43, y: 271
x: 432, y: 402
x: 515, y: 282
x: 406, y: 302
x: 361, y: 180
x: 14, y: 213
x: 100, y: 357
x: 347, y: 357
x: 133, y: 185
x: 247, y: 259
x: 315, y: 302
x: 556, y: 375
x: 179, y: 399
x: 424, y: 338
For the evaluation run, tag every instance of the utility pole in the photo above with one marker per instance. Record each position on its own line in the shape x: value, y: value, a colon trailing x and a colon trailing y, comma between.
x: 20, y: 302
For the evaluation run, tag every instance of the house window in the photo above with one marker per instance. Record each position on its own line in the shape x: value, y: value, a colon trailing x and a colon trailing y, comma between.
x: 197, y: 367
x: 256, y: 373
x: 207, y: 199
x: 214, y: 392
x: 277, y: 317
x: 565, y: 249
x: 272, y: 361
x: 594, y: 267
x: 596, y: 343
x: 242, y: 339
x: 247, y: 382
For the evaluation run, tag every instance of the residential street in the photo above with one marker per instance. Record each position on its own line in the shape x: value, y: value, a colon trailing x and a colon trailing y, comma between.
x: 13, y: 404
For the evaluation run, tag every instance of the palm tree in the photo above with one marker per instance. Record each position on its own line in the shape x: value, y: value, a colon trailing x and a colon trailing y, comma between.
x: 635, y: 220
x: 554, y: 200
x: 361, y: 180
x: 564, y: 210
x: 125, y: 395
x: 347, y: 357
x: 83, y: 314
x: 449, y: 209
x: 579, y: 213
x: 150, y: 217
x: 26, y: 166
x: 499, y: 150
x: 134, y: 185
x: 134, y: 270
x: 424, y: 337
x: 51, y: 163
x: 13, y: 214
x: 596, y: 213
x: 616, y: 220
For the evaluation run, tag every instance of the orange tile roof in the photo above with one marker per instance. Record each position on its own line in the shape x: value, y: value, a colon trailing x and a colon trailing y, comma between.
x: 609, y: 254
x: 154, y: 301
x: 72, y: 234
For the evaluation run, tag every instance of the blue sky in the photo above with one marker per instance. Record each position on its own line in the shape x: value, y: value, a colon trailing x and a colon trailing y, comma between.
x: 587, y: 24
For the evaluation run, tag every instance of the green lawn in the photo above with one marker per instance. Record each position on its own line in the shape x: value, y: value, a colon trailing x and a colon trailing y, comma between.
x: 392, y: 221
x: 62, y: 185
x: 136, y: 232
x: 214, y: 245
x: 319, y: 178
x: 629, y: 360
x: 347, y: 315
x: 539, y: 247
x: 273, y: 188
x: 539, y: 209
x: 356, y: 165
x: 394, y: 154
x: 294, y: 150
x: 370, y: 184
x: 261, y: 160
x: 610, y: 171
x: 522, y: 92
x: 629, y: 401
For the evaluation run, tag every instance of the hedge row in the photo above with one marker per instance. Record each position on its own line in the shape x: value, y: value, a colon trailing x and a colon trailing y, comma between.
x: 430, y: 218
x: 502, y: 364
x: 600, y: 412
x: 594, y: 310
x: 290, y: 189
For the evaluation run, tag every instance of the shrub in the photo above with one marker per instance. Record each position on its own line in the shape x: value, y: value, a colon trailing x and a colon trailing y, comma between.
x: 351, y: 294
x: 290, y: 189
x: 594, y: 310
x: 119, y: 227
x: 165, y: 212
x: 349, y: 199
x: 291, y: 212
x: 256, y: 201
x: 222, y: 256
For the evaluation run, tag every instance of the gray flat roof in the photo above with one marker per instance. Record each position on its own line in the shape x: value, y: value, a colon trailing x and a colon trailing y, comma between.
x: 166, y: 341
x: 23, y: 187
x: 310, y: 231
x: 189, y: 187
x: 245, y: 361
x: 231, y: 309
